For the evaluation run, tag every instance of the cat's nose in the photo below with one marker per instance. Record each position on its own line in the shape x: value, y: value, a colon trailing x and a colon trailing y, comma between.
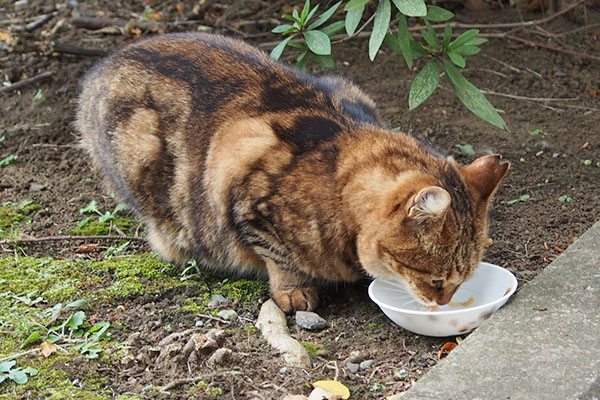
x: 446, y: 296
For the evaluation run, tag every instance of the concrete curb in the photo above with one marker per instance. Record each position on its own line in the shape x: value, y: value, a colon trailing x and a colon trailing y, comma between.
x: 544, y: 344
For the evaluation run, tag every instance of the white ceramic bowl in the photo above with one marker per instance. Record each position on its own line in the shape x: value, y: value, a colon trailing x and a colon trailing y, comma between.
x: 476, y: 299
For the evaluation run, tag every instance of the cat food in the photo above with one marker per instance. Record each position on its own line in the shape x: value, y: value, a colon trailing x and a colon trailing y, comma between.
x: 462, y: 304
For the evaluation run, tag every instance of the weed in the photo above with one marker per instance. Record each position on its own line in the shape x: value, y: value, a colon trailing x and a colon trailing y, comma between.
x: 39, y: 95
x: 565, y: 199
x: 7, y: 160
x: 17, y: 375
x: 521, y: 199
x: 466, y: 149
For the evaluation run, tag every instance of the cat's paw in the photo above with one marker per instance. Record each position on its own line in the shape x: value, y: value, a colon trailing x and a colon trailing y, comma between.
x: 300, y: 299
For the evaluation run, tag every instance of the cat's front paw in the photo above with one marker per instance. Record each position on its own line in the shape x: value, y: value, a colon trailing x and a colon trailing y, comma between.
x: 297, y: 299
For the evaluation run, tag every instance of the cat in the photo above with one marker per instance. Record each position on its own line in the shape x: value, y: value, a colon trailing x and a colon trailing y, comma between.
x: 250, y: 166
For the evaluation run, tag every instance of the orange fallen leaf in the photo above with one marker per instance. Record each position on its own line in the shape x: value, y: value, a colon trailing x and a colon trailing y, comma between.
x: 592, y: 92
x: 86, y: 248
x: 4, y: 36
x: 333, y: 387
x: 446, y: 349
x: 47, y: 348
x: 559, y: 249
x: 179, y: 8
x: 156, y: 16
x: 585, y: 145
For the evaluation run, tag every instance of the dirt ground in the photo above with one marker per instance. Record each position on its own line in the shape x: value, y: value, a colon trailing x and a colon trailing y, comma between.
x: 549, y: 99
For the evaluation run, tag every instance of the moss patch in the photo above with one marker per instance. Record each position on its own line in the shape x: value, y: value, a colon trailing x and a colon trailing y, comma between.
x: 94, y: 228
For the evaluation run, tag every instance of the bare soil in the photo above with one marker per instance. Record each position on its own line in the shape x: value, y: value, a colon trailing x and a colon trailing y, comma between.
x: 549, y: 99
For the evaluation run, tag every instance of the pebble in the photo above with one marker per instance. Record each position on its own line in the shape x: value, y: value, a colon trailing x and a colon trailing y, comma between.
x: 36, y: 187
x: 310, y: 321
x: 352, y: 367
x: 218, y: 335
x: 219, y: 357
x: 217, y: 300
x: 228, y: 315
x: 199, y: 324
x: 285, y: 370
x: 356, y: 357
x: 134, y: 339
x: 366, y: 364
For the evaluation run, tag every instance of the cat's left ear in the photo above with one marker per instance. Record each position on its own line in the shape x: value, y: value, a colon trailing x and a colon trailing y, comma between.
x: 485, y: 174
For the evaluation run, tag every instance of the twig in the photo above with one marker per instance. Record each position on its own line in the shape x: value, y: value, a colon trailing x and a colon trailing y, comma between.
x: 213, y: 318
x: 8, y: 358
x: 557, y: 49
x: 73, y: 237
x: 39, y: 22
x: 29, y: 81
x: 64, y: 48
x: 94, y: 23
x: 183, y: 381
x: 541, y: 99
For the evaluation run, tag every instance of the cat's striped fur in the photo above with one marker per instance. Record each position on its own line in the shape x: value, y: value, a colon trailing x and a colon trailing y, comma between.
x: 247, y: 165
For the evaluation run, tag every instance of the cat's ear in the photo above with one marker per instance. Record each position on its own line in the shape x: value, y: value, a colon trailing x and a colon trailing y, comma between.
x: 485, y: 174
x: 430, y: 204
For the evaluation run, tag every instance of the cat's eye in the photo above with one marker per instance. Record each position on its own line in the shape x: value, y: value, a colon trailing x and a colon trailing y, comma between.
x: 437, y: 283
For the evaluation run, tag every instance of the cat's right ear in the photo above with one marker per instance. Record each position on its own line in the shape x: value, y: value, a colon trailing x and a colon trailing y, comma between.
x: 485, y: 174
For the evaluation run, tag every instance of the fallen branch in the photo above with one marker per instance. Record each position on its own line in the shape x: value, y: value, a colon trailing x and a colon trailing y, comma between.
x: 183, y: 381
x: 552, y: 48
x: 39, y: 22
x: 95, y: 23
x: 73, y: 237
x: 26, y: 82
x: 64, y: 48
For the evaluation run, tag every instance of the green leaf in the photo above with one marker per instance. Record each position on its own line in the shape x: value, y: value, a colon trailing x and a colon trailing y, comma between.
x: 297, y: 45
x: 38, y: 96
x: 282, y: 28
x: 120, y: 207
x: 98, y: 330
x: 7, y: 161
x: 76, y: 304
x: 31, y: 371
x: 457, y: 59
x: 289, y: 17
x: 3, y: 377
x: 75, y: 321
x: 318, y: 42
x: 477, y: 41
x: 404, y: 41
x: 302, y: 55
x: 464, y: 38
x: 472, y: 98
x: 333, y: 29
x: 430, y: 36
x: 467, y: 50
x: 353, y: 18
x: 90, y: 209
x: 304, y: 12
x: 84, y: 222
x: 424, y: 84
x: 278, y: 50
x: 380, y: 27
x: 438, y: 14
x: 417, y: 48
x: 352, y: 4
x: 447, y: 37
x: 34, y: 336
x: 325, y: 61
x: 7, y: 365
x: 325, y: 16
x: 411, y: 8
x: 108, y: 216
x: 18, y: 376
x: 311, y: 13
x: 466, y: 149
x: 296, y: 16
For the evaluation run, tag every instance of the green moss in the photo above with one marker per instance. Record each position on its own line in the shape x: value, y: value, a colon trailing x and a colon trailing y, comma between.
x: 245, y: 290
x: 315, y: 349
x: 94, y: 228
x: 28, y: 209
x: 8, y: 217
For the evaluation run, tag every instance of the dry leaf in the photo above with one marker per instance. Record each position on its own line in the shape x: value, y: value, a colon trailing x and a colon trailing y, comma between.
x: 446, y: 349
x: 592, y: 92
x: 333, y: 387
x: 156, y: 16
x: 4, y: 36
x: 585, y: 145
x: 86, y: 248
x: 47, y: 348
x: 179, y: 8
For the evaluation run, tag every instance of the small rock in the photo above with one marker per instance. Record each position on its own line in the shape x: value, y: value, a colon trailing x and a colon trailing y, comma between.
x: 199, y: 324
x: 356, y: 357
x: 352, y: 367
x: 218, y: 335
x: 217, y: 300
x: 285, y: 370
x: 366, y: 364
x: 310, y: 321
x: 168, y: 352
x: 143, y: 358
x: 219, y: 357
x: 134, y: 339
x: 36, y: 187
x: 228, y: 315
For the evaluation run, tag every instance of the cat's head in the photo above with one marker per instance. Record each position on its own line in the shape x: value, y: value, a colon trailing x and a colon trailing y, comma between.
x: 430, y: 230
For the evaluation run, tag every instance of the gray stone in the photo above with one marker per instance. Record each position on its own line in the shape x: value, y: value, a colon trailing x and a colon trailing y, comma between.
x: 217, y: 300
x: 542, y: 345
x: 356, y: 357
x: 366, y: 364
x: 199, y: 324
x: 310, y: 321
x: 352, y: 367
x: 218, y: 335
x: 36, y: 187
x: 228, y: 315
x: 219, y: 357
x: 285, y: 370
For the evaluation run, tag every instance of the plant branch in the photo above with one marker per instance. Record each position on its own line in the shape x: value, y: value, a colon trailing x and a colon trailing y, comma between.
x: 26, y: 82
x: 73, y: 237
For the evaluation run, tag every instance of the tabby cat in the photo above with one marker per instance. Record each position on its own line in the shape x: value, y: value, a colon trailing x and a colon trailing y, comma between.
x: 248, y: 165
